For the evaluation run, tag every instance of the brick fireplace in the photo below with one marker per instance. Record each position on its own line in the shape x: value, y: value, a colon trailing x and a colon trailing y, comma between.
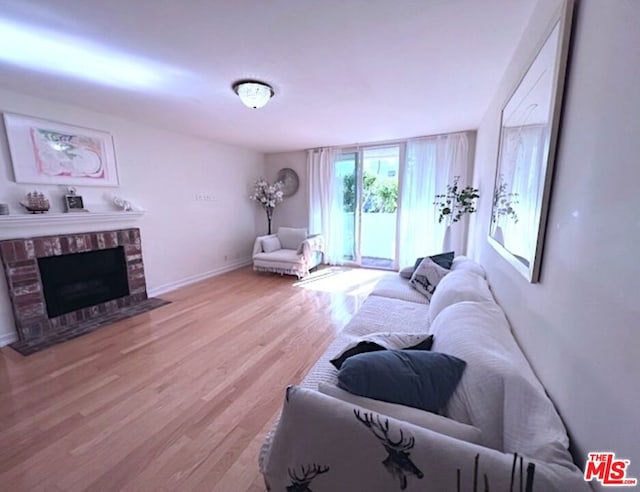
x: 34, y: 325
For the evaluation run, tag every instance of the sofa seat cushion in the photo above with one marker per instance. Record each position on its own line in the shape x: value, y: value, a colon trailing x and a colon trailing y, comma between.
x: 376, y: 314
x: 281, y: 255
x: 396, y: 287
x: 383, y: 314
x: 428, y: 420
x: 498, y: 392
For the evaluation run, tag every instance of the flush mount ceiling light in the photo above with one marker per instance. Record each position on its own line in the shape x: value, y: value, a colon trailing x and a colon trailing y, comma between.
x: 253, y: 93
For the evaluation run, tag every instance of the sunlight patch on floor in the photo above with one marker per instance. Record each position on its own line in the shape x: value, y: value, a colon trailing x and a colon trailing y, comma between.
x: 351, y: 281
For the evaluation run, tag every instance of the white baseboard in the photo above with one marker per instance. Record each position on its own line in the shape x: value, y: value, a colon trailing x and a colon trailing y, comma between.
x: 8, y: 338
x: 233, y: 265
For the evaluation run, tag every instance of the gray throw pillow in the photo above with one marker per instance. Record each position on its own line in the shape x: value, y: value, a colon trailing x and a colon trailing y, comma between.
x: 415, y: 378
x: 427, y: 276
x: 445, y: 260
x: 407, y: 272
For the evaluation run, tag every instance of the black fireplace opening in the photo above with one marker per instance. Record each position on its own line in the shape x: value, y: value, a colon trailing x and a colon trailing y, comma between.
x: 81, y: 280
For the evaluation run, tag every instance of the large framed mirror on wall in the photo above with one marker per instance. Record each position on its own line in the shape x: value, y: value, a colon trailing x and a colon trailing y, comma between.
x: 526, y: 152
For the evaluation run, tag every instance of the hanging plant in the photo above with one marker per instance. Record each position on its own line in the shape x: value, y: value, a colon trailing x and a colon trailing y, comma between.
x: 456, y: 202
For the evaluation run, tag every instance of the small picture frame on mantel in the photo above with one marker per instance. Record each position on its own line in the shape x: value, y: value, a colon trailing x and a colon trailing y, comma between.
x: 73, y: 202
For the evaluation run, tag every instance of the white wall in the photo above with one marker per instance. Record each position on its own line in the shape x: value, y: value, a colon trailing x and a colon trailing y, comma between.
x: 580, y: 326
x: 293, y: 211
x: 183, y: 239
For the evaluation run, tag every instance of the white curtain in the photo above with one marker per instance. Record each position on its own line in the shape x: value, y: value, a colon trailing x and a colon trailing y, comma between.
x: 430, y: 164
x: 326, y: 211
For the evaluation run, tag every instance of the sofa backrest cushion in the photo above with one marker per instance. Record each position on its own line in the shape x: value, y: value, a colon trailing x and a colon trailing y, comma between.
x: 271, y: 244
x: 498, y: 392
x: 465, y: 263
x: 428, y: 420
x: 291, y: 237
x: 459, y: 286
x: 415, y: 378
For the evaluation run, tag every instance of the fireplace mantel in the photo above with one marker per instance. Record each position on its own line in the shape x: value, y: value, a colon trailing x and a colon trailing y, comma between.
x: 22, y: 220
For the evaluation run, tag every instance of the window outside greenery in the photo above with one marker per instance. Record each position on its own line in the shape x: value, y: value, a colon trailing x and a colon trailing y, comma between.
x: 380, y: 195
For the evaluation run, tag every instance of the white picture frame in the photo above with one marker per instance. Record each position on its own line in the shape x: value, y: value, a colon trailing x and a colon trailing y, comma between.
x: 49, y: 152
x: 529, y: 125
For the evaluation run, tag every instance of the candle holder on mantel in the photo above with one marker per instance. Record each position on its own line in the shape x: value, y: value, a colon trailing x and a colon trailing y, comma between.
x: 36, y: 203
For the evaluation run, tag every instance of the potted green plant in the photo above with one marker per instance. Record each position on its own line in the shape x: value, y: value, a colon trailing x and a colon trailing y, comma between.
x: 454, y: 205
x: 456, y: 202
x: 503, y: 209
x: 504, y: 203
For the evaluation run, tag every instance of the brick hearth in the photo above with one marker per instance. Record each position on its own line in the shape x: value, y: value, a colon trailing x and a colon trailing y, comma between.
x: 20, y: 259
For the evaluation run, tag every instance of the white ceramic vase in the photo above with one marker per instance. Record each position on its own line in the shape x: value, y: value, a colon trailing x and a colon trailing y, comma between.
x: 446, y: 243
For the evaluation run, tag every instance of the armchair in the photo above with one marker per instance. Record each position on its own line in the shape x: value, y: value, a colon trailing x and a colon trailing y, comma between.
x: 291, y: 251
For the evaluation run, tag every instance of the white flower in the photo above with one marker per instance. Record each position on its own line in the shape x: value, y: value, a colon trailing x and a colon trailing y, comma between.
x: 268, y: 196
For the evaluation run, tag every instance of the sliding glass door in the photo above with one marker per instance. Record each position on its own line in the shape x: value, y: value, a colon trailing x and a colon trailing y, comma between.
x: 347, y: 171
x: 369, y: 177
x: 379, y: 206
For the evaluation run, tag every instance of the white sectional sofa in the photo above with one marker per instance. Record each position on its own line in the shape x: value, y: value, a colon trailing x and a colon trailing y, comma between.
x: 499, y: 425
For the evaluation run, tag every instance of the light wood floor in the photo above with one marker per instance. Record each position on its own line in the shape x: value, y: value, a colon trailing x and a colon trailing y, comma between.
x: 176, y: 399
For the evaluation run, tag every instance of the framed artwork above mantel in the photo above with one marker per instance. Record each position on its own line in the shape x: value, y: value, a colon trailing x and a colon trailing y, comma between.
x: 48, y: 152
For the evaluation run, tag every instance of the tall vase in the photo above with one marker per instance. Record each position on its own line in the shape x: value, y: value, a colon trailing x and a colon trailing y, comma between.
x: 446, y: 243
x: 269, y: 211
x: 498, y: 235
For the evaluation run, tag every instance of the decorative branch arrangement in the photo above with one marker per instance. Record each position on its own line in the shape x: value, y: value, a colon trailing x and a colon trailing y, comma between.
x: 268, y: 196
x: 504, y: 202
x: 456, y: 202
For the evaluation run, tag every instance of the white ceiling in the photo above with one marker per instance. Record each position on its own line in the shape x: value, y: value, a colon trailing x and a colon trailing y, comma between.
x: 344, y: 71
